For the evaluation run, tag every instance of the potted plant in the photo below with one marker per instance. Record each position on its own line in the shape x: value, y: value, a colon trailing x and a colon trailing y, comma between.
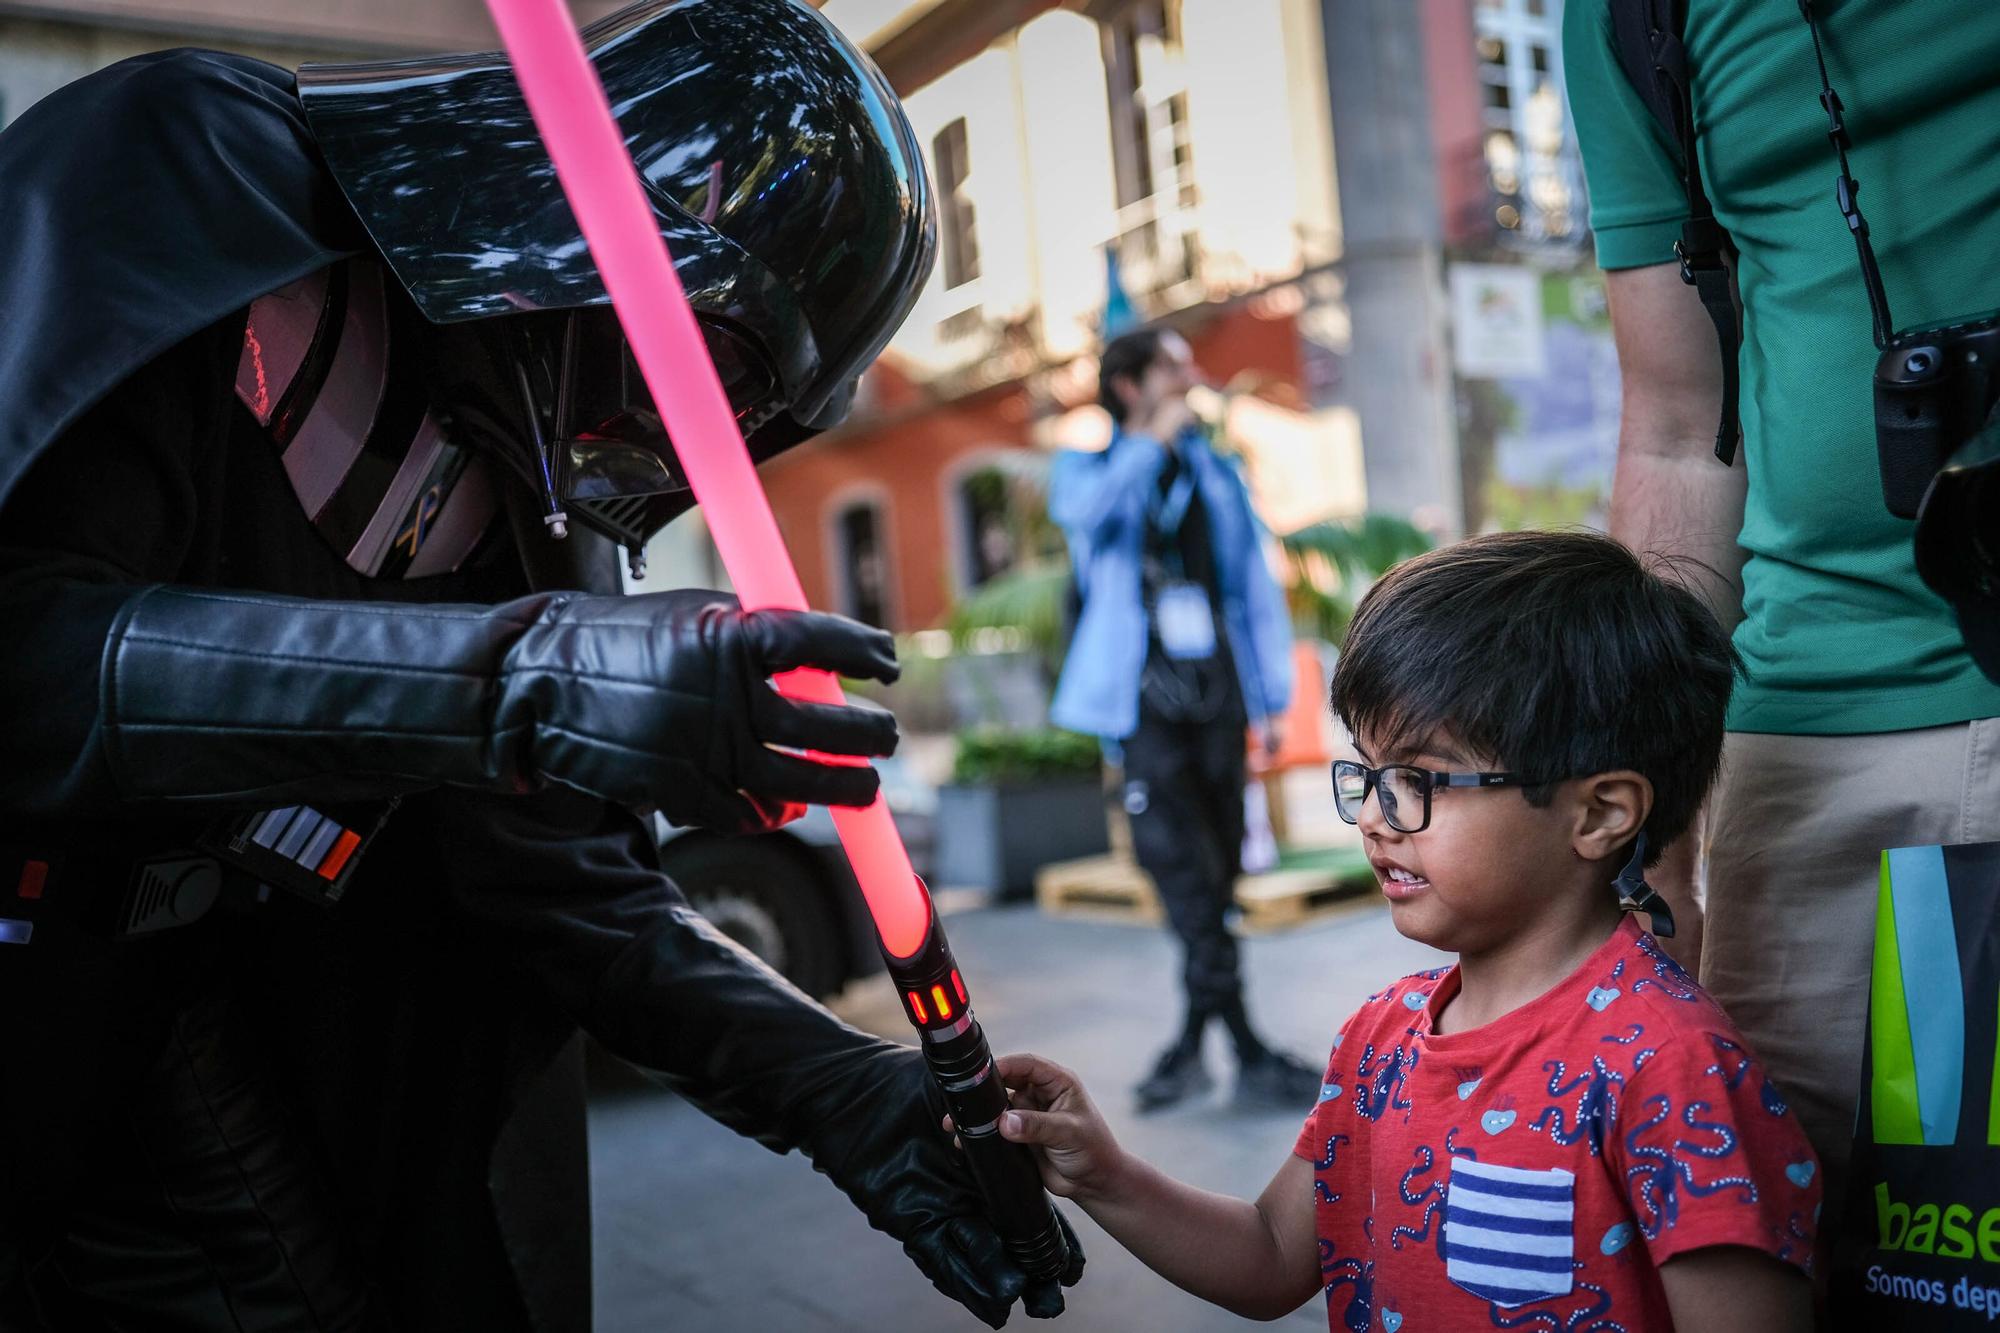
x: 1017, y: 800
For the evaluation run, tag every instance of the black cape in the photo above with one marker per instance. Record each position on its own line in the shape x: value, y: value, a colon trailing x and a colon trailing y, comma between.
x: 113, y: 193
x: 107, y: 257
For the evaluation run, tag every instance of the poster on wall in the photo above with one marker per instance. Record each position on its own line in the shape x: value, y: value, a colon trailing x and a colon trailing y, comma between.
x: 1496, y: 320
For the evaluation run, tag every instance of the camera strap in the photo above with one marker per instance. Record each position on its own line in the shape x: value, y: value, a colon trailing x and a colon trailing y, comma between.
x: 1647, y: 36
x: 1847, y: 190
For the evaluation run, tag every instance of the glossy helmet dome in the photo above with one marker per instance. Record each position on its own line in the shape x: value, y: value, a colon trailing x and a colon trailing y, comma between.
x: 786, y: 182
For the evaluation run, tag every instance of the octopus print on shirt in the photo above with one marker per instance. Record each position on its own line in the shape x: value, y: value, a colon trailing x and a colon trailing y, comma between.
x: 1535, y: 1173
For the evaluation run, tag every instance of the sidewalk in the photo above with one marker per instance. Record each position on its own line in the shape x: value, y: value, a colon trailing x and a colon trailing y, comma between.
x: 698, y: 1229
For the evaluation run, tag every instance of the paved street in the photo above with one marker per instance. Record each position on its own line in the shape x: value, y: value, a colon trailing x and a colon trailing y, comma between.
x: 697, y: 1229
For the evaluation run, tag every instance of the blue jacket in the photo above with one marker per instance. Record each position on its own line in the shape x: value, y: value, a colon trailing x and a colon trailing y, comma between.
x: 1100, y: 500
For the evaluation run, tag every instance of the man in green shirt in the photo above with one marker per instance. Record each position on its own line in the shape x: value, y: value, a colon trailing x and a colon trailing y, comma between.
x: 1861, y: 722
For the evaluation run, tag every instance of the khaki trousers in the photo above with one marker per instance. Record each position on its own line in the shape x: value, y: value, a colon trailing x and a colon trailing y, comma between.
x: 1795, y: 832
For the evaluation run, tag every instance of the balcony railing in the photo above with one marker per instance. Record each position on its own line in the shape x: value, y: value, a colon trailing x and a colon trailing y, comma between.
x: 1159, y: 248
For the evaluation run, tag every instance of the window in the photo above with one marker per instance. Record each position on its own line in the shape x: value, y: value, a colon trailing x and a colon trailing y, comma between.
x: 1003, y: 522
x: 1149, y: 110
x: 955, y: 213
x: 1531, y: 159
x: 1152, y: 147
x: 1180, y: 150
x: 863, y: 565
x: 990, y: 547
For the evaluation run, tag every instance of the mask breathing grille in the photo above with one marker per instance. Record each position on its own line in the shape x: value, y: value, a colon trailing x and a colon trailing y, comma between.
x: 621, y: 518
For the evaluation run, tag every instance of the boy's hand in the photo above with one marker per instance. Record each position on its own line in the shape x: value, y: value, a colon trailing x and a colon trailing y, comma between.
x: 1053, y: 1114
x: 1260, y: 1259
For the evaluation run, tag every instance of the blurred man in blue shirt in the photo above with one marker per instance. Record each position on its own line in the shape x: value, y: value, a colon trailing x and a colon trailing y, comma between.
x: 1182, y: 642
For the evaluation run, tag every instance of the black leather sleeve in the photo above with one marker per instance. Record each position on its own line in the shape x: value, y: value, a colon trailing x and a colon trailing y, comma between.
x: 654, y: 983
x: 568, y: 891
x: 648, y: 700
x: 122, y: 687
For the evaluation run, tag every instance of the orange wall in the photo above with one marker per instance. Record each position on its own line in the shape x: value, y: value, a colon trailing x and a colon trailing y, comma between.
x: 905, y: 463
x: 1239, y: 340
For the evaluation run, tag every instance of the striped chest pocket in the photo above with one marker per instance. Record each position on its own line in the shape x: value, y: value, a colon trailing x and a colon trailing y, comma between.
x: 1509, y: 1232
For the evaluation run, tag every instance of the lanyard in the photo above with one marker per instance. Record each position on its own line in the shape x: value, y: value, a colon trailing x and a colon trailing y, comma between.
x: 1169, y: 511
x: 1165, y: 517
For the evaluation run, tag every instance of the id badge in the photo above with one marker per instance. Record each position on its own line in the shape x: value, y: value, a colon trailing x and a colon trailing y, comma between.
x: 1186, y: 624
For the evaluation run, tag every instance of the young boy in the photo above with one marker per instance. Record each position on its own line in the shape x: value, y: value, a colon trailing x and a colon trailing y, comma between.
x: 1561, y: 1132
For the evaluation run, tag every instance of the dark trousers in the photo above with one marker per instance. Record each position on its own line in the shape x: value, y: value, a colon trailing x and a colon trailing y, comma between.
x: 1184, y: 793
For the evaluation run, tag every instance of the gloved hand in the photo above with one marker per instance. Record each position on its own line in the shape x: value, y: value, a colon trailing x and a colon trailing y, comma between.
x: 889, y: 1154
x: 661, y: 700
x: 712, y: 1022
x: 664, y: 699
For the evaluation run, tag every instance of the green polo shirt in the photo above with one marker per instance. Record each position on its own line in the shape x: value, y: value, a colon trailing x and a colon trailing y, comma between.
x: 1840, y: 635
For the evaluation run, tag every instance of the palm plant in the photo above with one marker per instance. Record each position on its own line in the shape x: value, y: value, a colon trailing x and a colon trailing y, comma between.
x: 1027, y: 604
x: 1330, y: 564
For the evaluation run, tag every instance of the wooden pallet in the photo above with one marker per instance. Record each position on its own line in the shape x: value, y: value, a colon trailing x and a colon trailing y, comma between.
x: 1114, y: 888
x: 1109, y: 888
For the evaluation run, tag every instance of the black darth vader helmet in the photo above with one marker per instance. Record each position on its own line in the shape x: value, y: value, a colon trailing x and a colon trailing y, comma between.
x: 785, y: 180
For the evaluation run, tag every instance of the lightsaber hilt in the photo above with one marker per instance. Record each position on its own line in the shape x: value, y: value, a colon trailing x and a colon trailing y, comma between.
x: 938, y: 1005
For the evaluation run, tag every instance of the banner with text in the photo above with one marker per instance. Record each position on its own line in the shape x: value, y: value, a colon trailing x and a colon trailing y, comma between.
x: 1919, y: 1244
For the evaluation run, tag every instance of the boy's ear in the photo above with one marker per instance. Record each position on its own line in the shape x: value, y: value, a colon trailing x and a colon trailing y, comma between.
x: 1611, y: 809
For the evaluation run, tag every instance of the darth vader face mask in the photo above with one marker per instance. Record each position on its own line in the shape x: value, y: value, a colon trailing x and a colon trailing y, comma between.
x: 558, y: 399
x: 787, y: 185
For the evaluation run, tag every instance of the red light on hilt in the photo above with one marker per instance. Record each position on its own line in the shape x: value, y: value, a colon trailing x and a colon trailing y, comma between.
x: 917, y: 1007
x: 959, y: 986
x: 942, y: 1001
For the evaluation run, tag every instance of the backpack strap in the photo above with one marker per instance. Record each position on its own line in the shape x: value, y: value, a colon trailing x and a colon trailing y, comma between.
x: 1646, y: 35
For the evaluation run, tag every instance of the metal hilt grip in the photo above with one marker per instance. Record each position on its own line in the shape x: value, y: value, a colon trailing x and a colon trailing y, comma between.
x: 937, y: 1004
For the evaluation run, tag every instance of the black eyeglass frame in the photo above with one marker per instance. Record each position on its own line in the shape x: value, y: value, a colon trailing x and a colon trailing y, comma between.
x: 1429, y: 780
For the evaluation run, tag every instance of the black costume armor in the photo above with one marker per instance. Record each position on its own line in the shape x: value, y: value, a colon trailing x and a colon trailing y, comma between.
x: 270, y: 564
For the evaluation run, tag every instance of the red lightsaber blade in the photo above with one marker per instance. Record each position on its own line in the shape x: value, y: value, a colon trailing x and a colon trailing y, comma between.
x: 598, y: 177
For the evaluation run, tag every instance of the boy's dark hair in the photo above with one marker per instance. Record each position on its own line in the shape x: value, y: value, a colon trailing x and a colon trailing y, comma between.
x: 1556, y: 654
x: 1128, y: 356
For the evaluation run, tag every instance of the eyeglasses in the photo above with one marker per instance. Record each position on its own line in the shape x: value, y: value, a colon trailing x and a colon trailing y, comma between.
x: 1404, y: 791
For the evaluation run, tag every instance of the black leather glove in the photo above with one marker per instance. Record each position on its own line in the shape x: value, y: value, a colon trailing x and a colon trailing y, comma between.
x: 740, y: 1042
x: 664, y: 699
x: 659, y: 699
x: 889, y: 1155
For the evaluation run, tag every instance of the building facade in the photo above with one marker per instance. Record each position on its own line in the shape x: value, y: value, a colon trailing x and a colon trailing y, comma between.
x: 1285, y: 181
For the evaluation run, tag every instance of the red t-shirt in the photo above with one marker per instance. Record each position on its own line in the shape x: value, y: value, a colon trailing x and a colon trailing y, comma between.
x: 1537, y: 1171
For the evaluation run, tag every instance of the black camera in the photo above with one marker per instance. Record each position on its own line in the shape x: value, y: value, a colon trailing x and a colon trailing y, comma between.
x: 1935, y: 391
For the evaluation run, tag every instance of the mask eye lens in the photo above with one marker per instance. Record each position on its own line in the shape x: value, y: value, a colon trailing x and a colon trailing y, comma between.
x: 607, y: 395
x: 746, y: 376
